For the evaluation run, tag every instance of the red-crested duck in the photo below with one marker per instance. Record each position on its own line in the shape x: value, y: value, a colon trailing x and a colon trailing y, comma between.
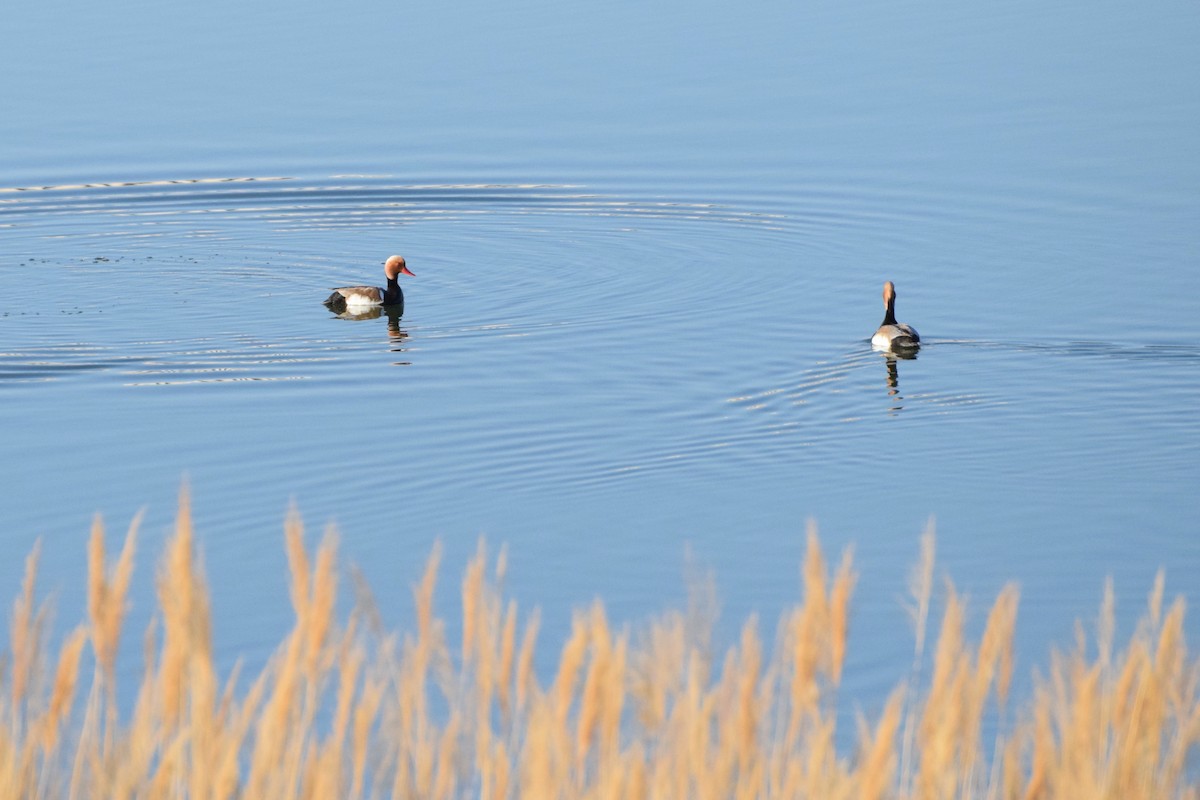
x: 894, y: 335
x: 364, y: 297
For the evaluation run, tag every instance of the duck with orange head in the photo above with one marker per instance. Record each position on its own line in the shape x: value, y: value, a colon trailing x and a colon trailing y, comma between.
x: 893, y: 335
x: 351, y: 298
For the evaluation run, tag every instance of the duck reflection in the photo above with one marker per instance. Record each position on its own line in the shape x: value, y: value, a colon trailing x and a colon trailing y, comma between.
x: 373, y: 312
x: 396, y: 335
x: 893, y: 375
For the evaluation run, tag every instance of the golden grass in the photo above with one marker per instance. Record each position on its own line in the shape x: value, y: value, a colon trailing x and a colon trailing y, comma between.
x: 346, y: 709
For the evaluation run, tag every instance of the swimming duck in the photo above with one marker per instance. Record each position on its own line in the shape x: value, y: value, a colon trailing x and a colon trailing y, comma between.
x: 363, y: 297
x: 894, y: 335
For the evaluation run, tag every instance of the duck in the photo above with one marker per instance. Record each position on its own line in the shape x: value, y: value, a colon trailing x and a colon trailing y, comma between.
x: 361, y: 298
x: 894, y: 335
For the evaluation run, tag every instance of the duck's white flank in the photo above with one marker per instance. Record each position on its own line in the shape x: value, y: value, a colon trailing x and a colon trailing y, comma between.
x: 362, y: 296
x: 895, y: 335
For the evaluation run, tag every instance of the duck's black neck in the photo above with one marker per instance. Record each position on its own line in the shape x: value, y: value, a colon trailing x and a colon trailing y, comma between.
x: 890, y: 317
x: 392, y: 294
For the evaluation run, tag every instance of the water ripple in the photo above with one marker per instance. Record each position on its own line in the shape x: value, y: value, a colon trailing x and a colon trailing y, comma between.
x: 288, y: 204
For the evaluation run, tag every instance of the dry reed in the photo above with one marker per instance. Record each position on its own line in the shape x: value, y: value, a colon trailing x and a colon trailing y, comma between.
x: 347, y: 709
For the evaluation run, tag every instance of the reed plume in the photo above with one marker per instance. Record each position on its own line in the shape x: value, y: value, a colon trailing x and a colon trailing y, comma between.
x: 345, y: 708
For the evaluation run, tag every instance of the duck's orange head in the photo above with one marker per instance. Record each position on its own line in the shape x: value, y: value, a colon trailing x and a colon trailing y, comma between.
x: 889, y: 293
x: 395, y: 266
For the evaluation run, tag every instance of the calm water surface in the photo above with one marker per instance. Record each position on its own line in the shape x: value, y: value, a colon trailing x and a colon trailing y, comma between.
x: 649, y: 247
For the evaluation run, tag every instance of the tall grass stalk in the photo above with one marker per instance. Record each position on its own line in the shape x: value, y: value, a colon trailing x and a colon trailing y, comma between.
x: 345, y: 708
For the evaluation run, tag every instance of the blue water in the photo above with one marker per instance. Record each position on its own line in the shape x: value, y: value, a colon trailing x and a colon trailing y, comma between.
x: 649, y: 246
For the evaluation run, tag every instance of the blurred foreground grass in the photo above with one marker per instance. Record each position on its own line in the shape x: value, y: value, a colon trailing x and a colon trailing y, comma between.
x: 345, y: 709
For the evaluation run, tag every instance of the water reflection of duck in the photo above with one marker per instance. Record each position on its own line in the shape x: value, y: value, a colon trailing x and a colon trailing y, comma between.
x: 358, y: 299
x: 893, y: 379
x: 892, y: 335
x: 395, y: 332
x: 396, y: 335
x: 393, y: 314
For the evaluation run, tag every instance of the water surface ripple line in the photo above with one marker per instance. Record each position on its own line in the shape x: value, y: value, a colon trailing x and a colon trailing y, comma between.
x: 291, y: 204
